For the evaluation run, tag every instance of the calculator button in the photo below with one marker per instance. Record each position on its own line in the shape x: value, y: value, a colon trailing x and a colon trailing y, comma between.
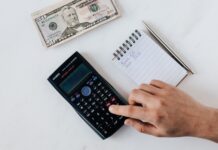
x: 99, y: 84
x: 78, y: 104
x: 103, y: 109
x: 113, y: 99
x: 116, y: 122
x: 90, y: 99
x: 82, y: 100
x: 105, y: 132
x: 109, y: 95
x: 88, y: 115
x: 93, y: 103
x: 108, y: 104
x: 106, y: 123
x: 73, y: 99
x: 91, y: 83
x: 77, y: 95
x: 121, y: 117
x: 107, y: 114
x: 102, y: 95
x: 92, y: 111
x: 93, y: 118
x: 98, y: 91
x: 94, y: 78
x: 86, y: 91
x: 94, y: 95
x: 85, y: 111
x: 98, y: 114
x: 100, y: 127
x: 97, y: 99
x: 94, y: 87
x: 112, y: 118
x: 106, y: 91
x: 105, y: 99
x: 97, y: 123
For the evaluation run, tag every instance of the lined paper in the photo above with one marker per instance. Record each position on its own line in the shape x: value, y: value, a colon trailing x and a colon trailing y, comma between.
x: 146, y: 60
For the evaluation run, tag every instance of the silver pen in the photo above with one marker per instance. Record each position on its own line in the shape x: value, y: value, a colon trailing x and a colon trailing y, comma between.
x: 166, y: 47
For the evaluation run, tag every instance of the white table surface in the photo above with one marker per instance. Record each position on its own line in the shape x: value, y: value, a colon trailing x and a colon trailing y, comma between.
x: 33, y: 116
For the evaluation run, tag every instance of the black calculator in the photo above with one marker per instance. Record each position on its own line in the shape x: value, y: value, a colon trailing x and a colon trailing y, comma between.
x: 89, y: 94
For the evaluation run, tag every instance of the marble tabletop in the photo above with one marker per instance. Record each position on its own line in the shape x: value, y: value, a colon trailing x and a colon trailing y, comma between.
x: 33, y: 116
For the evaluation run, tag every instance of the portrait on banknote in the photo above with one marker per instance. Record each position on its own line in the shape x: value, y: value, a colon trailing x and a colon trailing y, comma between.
x: 71, y: 19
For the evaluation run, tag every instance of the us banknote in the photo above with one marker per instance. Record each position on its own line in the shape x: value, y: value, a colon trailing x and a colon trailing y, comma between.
x: 70, y: 18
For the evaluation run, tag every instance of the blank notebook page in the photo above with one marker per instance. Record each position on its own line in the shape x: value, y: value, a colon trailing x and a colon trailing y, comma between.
x: 143, y: 60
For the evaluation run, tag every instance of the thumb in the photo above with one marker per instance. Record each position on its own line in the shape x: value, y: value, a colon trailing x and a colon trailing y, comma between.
x: 142, y: 127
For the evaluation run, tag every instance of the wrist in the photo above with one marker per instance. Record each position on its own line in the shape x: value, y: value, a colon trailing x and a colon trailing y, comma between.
x: 206, y: 125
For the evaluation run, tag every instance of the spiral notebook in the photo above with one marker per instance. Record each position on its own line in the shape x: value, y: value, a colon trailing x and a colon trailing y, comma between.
x: 142, y: 59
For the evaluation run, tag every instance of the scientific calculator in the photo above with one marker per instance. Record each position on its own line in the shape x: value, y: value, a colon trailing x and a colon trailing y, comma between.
x: 89, y: 94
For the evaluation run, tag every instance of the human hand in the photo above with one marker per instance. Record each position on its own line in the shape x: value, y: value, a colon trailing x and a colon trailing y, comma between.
x: 161, y: 110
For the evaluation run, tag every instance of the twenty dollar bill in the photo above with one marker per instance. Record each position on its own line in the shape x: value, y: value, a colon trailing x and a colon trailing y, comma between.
x: 70, y: 18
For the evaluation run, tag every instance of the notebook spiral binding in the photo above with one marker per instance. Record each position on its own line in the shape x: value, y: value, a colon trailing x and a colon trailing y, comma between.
x: 124, y: 48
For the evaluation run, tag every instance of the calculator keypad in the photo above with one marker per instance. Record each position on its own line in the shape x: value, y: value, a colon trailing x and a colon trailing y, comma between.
x: 93, y: 101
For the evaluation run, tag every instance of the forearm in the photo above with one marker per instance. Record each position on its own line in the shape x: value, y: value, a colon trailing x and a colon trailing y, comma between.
x: 207, y: 127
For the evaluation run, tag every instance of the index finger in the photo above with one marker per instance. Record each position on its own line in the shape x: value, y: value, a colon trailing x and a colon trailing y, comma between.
x: 130, y: 111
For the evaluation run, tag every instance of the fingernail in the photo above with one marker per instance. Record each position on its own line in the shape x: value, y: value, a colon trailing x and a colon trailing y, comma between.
x: 111, y: 108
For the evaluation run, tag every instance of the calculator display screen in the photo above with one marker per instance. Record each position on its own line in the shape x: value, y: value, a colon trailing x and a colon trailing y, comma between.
x: 74, y: 78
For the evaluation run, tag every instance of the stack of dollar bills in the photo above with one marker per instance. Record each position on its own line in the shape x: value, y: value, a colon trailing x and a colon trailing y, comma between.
x: 68, y: 19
